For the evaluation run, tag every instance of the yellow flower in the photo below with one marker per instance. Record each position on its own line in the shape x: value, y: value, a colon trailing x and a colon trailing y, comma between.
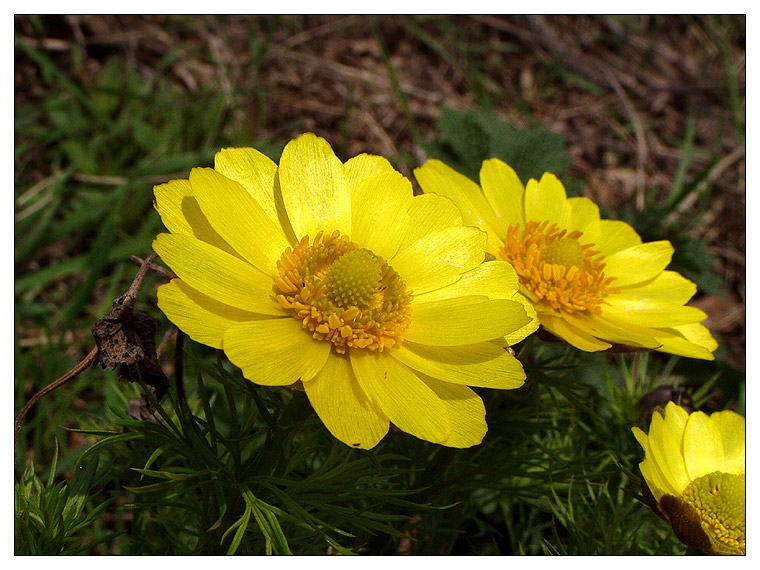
x: 593, y: 282
x: 336, y: 275
x: 694, y: 467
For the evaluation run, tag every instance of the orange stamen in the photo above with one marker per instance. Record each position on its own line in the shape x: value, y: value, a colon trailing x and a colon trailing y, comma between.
x: 343, y: 294
x: 555, y: 269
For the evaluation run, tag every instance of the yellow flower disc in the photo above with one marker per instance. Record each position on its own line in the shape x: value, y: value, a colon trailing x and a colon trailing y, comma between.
x: 343, y: 294
x: 718, y: 498
x: 556, y: 269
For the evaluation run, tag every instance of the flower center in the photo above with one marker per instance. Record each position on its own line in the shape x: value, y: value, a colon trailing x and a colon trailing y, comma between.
x: 555, y: 269
x: 343, y: 294
x: 353, y: 279
x: 719, y: 499
x: 565, y: 251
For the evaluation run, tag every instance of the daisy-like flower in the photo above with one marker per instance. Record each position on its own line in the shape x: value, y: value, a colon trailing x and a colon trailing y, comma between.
x: 336, y: 276
x: 694, y: 467
x: 593, y: 282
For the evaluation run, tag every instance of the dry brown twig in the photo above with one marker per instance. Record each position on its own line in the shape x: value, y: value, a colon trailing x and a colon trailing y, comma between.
x: 123, y: 338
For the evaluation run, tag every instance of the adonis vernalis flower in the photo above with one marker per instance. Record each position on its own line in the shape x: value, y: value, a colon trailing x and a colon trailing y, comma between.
x: 593, y: 282
x: 336, y: 275
x: 694, y: 466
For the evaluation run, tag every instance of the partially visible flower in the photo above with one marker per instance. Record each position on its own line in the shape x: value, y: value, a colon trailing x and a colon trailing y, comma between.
x: 694, y: 466
x: 593, y: 282
x: 336, y: 275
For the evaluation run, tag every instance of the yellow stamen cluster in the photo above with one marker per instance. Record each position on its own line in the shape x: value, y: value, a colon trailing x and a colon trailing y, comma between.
x: 343, y: 294
x: 556, y: 269
x: 718, y: 498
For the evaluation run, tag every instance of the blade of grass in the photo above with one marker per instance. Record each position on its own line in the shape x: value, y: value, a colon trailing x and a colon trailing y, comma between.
x: 408, y: 116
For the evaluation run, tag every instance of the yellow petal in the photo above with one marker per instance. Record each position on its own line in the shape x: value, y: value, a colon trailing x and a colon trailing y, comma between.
x: 430, y: 213
x: 438, y: 259
x: 345, y: 410
x: 668, y: 286
x: 218, y: 274
x: 693, y: 341
x: 641, y: 437
x: 547, y: 200
x: 169, y: 198
x: 651, y: 313
x: 435, y: 177
x: 504, y: 192
x: 702, y: 446
x: 403, y: 398
x: 651, y: 474
x: 654, y: 479
x: 671, y: 427
x: 676, y: 416
x: 573, y: 335
x: 181, y: 214
x: 682, y: 347
x: 274, y: 352
x: 466, y: 411
x: 609, y: 327
x: 200, y: 317
x: 254, y: 171
x: 730, y: 425
x: 665, y: 439
x: 379, y: 216
x: 239, y: 219
x: 464, y: 320
x: 526, y: 330
x: 494, y: 279
x: 364, y: 166
x: 639, y: 263
x: 282, y: 214
x: 615, y: 236
x: 313, y: 187
x: 697, y: 334
x: 485, y: 364
x: 584, y: 216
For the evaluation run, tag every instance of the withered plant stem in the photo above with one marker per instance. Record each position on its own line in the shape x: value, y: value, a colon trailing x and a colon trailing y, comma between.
x: 128, y: 298
x: 157, y: 268
x: 74, y: 372
x: 131, y: 295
